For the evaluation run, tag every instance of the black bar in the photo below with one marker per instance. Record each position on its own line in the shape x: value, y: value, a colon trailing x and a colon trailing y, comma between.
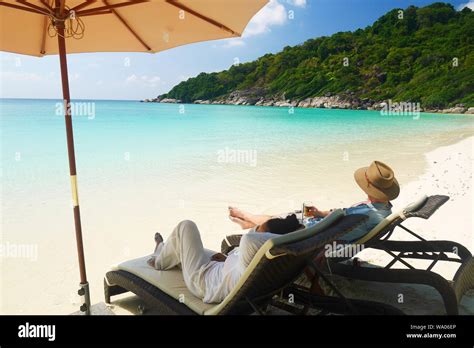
x: 286, y: 330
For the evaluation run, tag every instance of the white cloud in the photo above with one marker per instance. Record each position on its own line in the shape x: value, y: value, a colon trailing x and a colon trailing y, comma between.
x: 148, y: 81
x: 469, y: 4
x: 233, y: 43
x: 297, y: 3
x: 273, y: 14
x: 131, y: 78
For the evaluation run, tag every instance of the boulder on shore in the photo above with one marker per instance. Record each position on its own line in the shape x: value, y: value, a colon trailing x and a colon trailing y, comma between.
x: 470, y: 111
x: 169, y: 100
x: 348, y: 100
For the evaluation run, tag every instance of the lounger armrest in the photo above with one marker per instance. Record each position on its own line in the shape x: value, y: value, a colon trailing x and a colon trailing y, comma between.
x: 230, y: 242
x: 329, y: 235
x: 431, y: 204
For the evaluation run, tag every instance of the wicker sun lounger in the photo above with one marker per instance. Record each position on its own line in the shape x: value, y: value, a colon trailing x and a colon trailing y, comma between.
x: 276, y: 265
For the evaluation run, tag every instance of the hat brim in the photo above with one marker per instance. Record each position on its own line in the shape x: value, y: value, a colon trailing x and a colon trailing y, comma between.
x: 388, y: 194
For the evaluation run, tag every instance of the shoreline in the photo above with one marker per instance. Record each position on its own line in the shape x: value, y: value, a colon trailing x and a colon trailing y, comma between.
x: 152, y: 100
x: 335, y: 102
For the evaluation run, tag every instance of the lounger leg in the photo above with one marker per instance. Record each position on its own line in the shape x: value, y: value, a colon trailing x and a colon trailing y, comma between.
x: 255, y: 307
x: 106, y: 292
x: 111, y: 290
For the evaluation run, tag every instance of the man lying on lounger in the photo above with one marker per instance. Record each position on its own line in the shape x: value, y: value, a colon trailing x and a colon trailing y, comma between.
x: 377, y: 181
x: 212, y: 277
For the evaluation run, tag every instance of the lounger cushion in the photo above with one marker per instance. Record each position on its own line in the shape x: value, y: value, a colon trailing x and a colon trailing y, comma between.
x: 170, y: 282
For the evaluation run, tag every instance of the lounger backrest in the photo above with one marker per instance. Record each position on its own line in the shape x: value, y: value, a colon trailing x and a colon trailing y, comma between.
x: 306, y: 232
x: 427, y: 208
x: 269, y: 270
x: 391, y: 218
x: 416, y: 204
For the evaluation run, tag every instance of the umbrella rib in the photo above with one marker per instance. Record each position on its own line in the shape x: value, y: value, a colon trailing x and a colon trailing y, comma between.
x: 45, y: 20
x: 23, y: 8
x: 45, y: 3
x: 203, y: 17
x: 40, y: 9
x: 97, y: 13
x: 84, y: 4
x: 110, y: 7
x: 124, y: 22
x: 43, y: 38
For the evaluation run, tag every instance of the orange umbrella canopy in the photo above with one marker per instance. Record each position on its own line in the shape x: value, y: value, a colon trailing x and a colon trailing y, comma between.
x: 121, y: 26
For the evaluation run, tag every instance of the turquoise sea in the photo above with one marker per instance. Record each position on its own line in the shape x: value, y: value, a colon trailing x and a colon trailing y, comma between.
x: 164, y: 139
x: 142, y: 167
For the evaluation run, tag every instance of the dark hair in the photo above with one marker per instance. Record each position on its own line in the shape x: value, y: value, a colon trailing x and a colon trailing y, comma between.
x: 283, y: 226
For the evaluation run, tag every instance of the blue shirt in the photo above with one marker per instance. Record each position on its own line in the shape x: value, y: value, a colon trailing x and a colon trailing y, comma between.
x: 375, y: 211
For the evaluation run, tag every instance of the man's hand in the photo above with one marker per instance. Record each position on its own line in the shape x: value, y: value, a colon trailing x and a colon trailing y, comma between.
x: 315, y: 212
x: 219, y: 257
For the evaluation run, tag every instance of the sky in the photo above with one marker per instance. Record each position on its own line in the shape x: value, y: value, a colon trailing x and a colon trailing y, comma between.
x: 135, y: 76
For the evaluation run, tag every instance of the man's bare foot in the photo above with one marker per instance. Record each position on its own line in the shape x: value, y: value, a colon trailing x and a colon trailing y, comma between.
x: 236, y: 212
x: 242, y: 223
x: 158, y: 240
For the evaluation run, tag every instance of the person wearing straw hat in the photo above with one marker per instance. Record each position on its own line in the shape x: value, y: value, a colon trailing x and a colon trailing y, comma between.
x: 377, y: 181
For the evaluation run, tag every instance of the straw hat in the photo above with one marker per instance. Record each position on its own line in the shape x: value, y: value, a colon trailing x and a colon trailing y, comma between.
x: 378, y: 181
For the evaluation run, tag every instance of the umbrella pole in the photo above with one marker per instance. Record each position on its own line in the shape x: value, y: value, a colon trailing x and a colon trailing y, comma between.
x: 84, y: 285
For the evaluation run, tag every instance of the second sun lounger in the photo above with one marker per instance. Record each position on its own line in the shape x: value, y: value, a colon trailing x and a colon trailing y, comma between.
x: 402, y: 251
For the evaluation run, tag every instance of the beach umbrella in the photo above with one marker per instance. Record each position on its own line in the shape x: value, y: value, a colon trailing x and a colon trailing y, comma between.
x: 46, y: 27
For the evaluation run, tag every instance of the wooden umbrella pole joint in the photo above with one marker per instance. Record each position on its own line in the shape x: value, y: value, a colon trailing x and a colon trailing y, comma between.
x: 84, y: 290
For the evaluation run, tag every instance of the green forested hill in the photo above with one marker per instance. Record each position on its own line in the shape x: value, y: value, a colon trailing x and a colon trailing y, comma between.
x: 427, y: 56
